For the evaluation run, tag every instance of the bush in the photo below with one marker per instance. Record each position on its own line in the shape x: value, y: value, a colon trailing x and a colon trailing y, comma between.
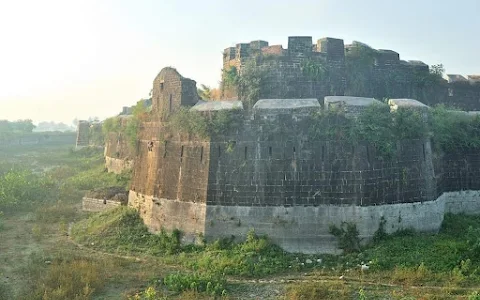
x: 347, y: 237
x: 195, y: 123
x: 208, y: 283
x: 20, y: 187
x: 474, y: 296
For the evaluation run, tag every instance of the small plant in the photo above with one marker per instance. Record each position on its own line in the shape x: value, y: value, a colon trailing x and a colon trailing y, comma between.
x: 362, y: 295
x: 474, y: 296
x: 314, y: 291
x: 195, y: 123
x: 211, y: 284
x: 381, y: 233
x: 347, y: 237
x: 314, y: 69
x: 230, y: 77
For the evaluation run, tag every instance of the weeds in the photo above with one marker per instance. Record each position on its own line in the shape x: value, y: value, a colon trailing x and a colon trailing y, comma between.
x: 73, y: 279
x: 347, y: 237
x: 315, y: 290
x: 211, y: 284
x: 123, y: 230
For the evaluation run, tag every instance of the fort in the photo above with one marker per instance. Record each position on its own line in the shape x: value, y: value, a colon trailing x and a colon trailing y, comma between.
x: 280, y: 169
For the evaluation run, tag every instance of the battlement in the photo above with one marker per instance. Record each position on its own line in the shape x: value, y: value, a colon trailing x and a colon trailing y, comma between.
x: 329, y: 67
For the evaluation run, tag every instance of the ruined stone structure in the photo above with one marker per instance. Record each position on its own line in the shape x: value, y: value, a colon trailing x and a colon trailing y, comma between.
x: 119, y: 152
x: 88, y: 134
x: 270, y: 175
x: 328, y: 67
x: 104, y: 199
x: 83, y: 133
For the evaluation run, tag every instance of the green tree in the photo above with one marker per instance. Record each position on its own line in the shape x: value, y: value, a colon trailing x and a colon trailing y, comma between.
x: 205, y: 92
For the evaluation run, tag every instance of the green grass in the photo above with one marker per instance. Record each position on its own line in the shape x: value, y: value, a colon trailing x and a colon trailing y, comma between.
x: 440, y: 252
x: 123, y: 231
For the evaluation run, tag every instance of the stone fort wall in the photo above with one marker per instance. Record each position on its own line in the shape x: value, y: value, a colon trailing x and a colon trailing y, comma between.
x: 119, y: 152
x: 270, y: 175
x: 378, y: 73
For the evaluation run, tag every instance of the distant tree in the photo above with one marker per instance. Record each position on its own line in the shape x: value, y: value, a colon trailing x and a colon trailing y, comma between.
x: 23, y: 126
x: 437, y: 70
x: 5, y: 126
x: 204, y: 92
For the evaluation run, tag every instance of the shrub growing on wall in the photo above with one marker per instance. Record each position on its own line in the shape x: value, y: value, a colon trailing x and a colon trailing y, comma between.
x: 249, y: 83
x: 454, y: 131
x: 205, y: 124
x: 375, y: 125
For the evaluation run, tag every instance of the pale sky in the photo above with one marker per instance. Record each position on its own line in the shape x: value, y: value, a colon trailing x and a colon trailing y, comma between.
x: 64, y: 59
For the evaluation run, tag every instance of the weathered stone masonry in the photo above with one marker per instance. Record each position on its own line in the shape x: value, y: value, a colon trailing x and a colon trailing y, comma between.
x: 383, y: 74
x: 268, y: 174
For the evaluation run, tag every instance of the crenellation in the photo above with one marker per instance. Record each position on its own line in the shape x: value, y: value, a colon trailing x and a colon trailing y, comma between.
x: 258, y: 45
x: 300, y: 45
x: 333, y: 48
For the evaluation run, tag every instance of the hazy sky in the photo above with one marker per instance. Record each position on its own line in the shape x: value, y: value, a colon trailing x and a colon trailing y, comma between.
x: 61, y: 60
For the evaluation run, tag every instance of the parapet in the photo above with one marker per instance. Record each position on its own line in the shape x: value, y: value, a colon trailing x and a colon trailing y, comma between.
x: 276, y: 107
x: 418, y: 65
x: 285, y: 103
x: 396, y: 104
x: 474, y: 78
x: 455, y: 78
x: 217, y: 105
x: 350, y: 105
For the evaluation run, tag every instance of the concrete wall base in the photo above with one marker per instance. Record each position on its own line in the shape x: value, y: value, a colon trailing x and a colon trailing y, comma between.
x: 298, y: 228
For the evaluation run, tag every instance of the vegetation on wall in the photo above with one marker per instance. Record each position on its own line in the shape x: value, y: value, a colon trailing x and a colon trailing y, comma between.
x: 230, y: 77
x: 207, y: 93
x: 128, y: 127
x: 435, y: 75
x: 314, y: 69
x: 249, y: 83
x: 375, y: 125
x: 359, y: 62
x: 205, y: 124
x: 95, y: 134
x: 454, y: 130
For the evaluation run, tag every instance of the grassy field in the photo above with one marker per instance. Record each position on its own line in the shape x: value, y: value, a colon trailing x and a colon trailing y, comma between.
x: 50, y: 249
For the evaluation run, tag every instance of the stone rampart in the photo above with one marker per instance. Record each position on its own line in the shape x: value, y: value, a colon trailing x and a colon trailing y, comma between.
x: 307, y: 70
x: 97, y: 205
